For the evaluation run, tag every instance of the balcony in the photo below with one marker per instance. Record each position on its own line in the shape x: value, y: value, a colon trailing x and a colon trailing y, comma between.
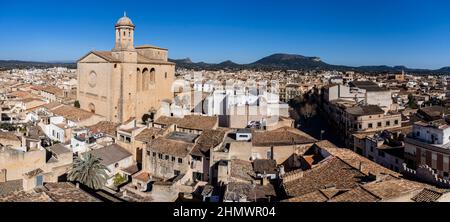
x: 440, y: 148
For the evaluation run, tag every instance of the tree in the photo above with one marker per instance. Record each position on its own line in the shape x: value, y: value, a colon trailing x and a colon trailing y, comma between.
x: 77, y: 104
x: 296, y: 102
x: 119, y: 179
x: 412, y: 102
x: 145, y: 117
x: 89, y: 171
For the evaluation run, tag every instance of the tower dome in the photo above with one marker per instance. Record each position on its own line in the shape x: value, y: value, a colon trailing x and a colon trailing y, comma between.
x: 124, y: 21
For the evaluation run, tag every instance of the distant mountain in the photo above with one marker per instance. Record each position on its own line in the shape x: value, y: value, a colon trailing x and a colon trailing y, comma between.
x: 444, y: 69
x: 289, y: 61
x: 17, y: 64
x: 186, y: 60
x: 279, y: 61
x: 275, y: 61
x: 228, y: 63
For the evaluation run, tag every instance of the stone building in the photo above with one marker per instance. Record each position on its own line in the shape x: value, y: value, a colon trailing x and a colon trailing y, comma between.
x: 428, y: 144
x: 30, y: 168
x: 127, y: 81
x: 341, y: 175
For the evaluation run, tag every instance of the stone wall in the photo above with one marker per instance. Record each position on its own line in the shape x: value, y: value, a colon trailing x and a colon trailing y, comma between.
x: 426, y: 174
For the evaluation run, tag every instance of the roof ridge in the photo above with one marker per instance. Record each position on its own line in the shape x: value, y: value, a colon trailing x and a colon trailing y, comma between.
x: 370, y: 192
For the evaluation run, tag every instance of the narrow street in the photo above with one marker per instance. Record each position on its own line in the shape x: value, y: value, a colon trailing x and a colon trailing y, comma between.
x: 314, y: 125
x: 102, y: 195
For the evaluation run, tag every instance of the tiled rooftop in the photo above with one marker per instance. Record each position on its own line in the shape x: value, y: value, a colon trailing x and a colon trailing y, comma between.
x: 51, y: 192
x: 170, y: 147
x: 236, y: 190
x: 242, y: 170
x: 111, y: 154
x: 148, y: 134
x: 330, y: 172
x: 189, y: 122
x: 105, y: 127
x: 208, y: 140
x: 72, y: 113
x: 281, y: 137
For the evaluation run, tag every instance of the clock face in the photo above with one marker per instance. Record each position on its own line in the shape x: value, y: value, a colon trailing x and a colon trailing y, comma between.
x: 92, y: 79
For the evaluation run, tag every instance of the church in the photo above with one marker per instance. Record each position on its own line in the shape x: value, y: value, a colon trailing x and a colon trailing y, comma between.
x: 126, y: 82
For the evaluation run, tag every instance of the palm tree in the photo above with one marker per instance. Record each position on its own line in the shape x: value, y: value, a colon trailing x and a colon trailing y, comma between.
x: 89, y: 171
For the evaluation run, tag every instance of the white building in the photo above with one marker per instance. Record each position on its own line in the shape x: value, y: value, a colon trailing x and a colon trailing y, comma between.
x: 429, y: 144
x: 116, y: 159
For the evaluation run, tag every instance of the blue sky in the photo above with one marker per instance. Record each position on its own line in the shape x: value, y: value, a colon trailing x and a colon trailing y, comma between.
x: 415, y: 33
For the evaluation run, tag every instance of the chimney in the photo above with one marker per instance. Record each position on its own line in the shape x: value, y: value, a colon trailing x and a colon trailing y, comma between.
x: 265, y: 181
x: 24, y: 143
x: 281, y: 170
x: 360, y: 167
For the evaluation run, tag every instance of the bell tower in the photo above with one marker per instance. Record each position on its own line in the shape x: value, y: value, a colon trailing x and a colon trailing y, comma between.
x: 124, y: 34
x: 124, y: 48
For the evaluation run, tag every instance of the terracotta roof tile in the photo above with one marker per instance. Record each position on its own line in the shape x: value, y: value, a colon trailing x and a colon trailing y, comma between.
x: 330, y: 172
x: 170, y: 147
x: 190, y: 122
x: 208, y: 140
x: 241, y: 170
x: 148, y: 134
x: 72, y: 113
x: 315, y: 196
x: 105, y: 127
x: 357, y: 194
x: 281, y: 137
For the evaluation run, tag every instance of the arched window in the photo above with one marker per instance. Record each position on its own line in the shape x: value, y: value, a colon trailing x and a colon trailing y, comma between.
x: 91, y: 107
x: 165, y: 75
x: 138, y: 80
x: 152, y: 76
x: 145, y: 79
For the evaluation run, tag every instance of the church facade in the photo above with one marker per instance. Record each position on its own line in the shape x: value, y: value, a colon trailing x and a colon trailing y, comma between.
x: 127, y: 81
